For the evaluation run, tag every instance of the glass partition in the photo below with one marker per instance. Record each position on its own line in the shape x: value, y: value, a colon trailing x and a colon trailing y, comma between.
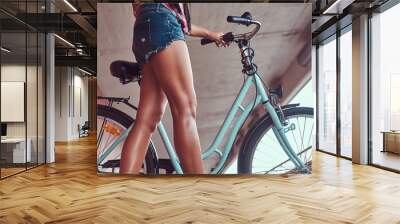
x: 327, y: 96
x: 31, y: 98
x: 41, y: 97
x: 22, y: 90
x: 33, y: 65
x: 385, y: 89
x: 346, y: 93
x: 14, y: 153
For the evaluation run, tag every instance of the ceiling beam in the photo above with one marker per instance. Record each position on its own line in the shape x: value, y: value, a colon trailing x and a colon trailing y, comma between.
x: 49, y: 22
x: 85, y: 25
x: 82, y: 61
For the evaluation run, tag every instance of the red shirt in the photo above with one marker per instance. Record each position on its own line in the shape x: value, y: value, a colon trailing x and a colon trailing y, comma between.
x: 179, y: 12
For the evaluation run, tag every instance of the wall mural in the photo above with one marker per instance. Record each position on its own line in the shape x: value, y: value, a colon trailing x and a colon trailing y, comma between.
x: 214, y: 83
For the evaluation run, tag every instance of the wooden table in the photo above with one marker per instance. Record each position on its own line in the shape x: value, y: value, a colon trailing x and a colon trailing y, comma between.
x: 13, y: 150
x: 391, y: 141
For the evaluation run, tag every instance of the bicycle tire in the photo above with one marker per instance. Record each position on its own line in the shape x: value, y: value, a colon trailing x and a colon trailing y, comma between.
x: 125, y: 120
x: 257, y: 131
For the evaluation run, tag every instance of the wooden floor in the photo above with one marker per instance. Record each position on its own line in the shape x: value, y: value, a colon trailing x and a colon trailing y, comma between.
x: 70, y: 191
x: 10, y: 171
x: 386, y: 159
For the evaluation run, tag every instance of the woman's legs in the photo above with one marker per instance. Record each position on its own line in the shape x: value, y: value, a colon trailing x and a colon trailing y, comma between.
x: 173, y: 71
x: 151, y: 108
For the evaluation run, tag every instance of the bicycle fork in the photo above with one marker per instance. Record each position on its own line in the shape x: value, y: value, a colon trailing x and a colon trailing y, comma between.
x: 278, y: 128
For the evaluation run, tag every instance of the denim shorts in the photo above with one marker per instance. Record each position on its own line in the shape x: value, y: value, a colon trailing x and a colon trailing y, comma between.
x: 156, y: 27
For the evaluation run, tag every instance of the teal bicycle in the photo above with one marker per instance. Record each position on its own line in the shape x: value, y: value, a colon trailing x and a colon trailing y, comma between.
x: 258, y: 137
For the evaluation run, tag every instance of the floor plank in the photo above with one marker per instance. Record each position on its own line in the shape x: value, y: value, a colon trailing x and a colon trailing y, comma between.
x: 70, y: 191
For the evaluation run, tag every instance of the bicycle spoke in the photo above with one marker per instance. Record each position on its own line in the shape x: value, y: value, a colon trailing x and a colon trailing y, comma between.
x: 294, y: 139
x: 312, y: 129
x: 101, y: 129
x: 270, y: 158
x: 273, y: 140
x: 106, y: 144
x: 266, y: 154
x: 302, y: 137
x: 298, y: 125
x: 108, y: 139
x: 100, y: 139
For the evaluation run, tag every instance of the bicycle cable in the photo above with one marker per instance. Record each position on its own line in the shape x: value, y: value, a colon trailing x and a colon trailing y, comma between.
x: 248, y: 73
x: 256, y: 88
x: 250, y: 68
x: 255, y: 73
x: 248, y: 115
x: 282, y: 115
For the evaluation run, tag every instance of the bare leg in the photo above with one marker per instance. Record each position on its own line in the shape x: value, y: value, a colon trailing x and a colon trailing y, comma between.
x: 173, y: 71
x: 151, y: 108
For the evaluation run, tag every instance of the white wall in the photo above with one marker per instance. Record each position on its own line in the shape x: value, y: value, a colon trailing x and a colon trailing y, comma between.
x: 61, y: 104
x: 34, y: 125
x: 16, y: 73
x: 71, y: 102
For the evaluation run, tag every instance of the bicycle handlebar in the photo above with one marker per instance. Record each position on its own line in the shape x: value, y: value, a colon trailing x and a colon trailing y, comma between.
x: 239, y: 20
x: 245, y: 19
x: 228, y: 37
x: 115, y: 99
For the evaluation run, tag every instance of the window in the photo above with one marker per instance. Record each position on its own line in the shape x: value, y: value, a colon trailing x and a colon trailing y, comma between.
x: 385, y: 89
x: 22, y: 89
x: 327, y: 96
x: 346, y: 93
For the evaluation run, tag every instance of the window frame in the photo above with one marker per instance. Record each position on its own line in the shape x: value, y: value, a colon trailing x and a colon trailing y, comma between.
x: 333, y: 37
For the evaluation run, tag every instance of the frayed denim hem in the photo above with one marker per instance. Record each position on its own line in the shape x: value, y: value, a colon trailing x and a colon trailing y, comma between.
x: 152, y: 52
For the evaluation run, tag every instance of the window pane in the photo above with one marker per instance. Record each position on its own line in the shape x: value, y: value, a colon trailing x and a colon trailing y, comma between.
x: 14, y: 153
x: 327, y: 96
x: 41, y: 98
x: 385, y: 84
x: 31, y: 97
x: 22, y: 88
x: 346, y: 94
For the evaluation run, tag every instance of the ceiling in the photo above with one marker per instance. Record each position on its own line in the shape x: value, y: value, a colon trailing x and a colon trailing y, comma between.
x: 76, y: 24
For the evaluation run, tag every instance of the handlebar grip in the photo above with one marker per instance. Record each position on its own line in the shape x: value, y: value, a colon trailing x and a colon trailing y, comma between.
x: 239, y: 20
x: 228, y: 37
x: 205, y: 41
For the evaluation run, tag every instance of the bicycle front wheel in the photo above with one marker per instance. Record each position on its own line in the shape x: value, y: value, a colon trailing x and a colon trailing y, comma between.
x: 261, y: 152
x: 111, y: 123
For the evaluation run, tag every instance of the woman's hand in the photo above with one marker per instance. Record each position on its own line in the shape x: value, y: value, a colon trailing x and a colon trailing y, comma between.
x: 217, y: 38
x: 198, y: 31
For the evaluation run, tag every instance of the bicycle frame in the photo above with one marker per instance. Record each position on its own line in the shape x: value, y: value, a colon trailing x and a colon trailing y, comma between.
x: 214, y: 148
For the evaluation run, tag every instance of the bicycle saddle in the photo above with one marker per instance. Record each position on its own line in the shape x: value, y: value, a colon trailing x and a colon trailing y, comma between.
x: 126, y: 71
